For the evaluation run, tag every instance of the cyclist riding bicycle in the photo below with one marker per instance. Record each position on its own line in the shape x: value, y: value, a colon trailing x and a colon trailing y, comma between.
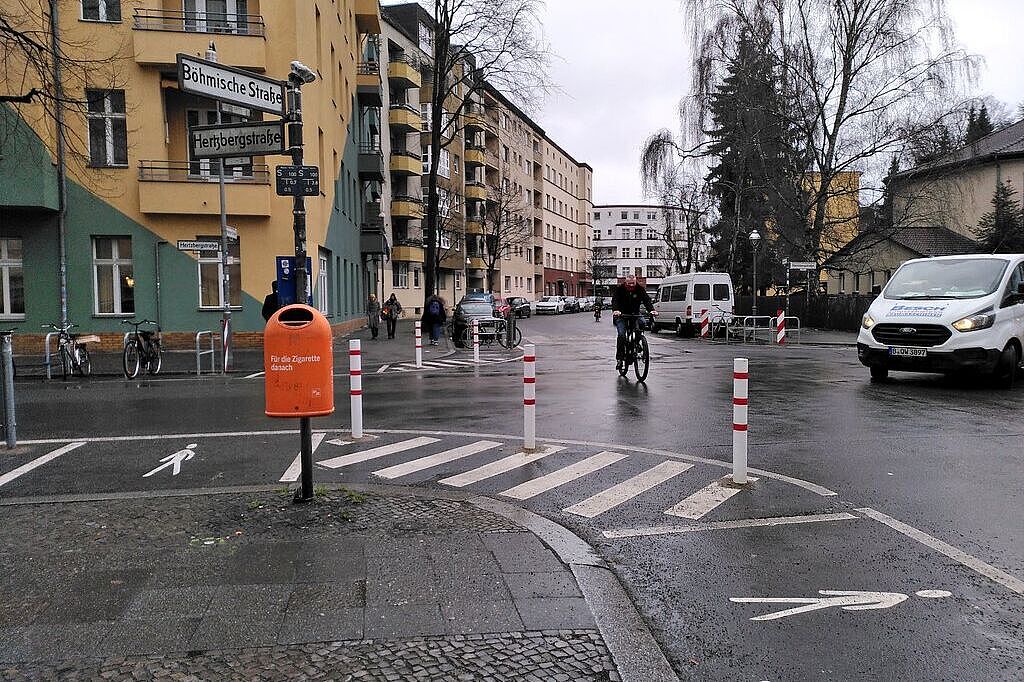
x: 627, y: 300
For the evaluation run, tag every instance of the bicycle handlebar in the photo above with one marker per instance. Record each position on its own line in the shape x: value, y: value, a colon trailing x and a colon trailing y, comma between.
x: 57, y: 328
x: 139, y: 323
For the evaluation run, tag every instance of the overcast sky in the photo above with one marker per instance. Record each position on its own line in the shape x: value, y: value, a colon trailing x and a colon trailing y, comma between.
x: 621, y: 71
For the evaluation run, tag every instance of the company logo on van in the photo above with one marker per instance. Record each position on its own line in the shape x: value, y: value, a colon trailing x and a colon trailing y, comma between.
x: 917, y: 311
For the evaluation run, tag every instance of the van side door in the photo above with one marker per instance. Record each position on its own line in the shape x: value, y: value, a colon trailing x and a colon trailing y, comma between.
x: 1013, y: 298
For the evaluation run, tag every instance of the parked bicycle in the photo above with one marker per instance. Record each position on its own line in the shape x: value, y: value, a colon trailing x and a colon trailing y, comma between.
x: 141, y: 350
x: 508, y: 335
x: 73, y: 353
x: 636, y: 352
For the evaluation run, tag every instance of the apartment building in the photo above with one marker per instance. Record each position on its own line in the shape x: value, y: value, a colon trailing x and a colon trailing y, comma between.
x: 567, y: 205
x: 632, y: 239
x: 133, y: 191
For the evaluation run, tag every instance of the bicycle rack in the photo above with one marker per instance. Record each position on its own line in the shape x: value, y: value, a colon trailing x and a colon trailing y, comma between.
x: 788, y: 318
x: 46, y: 354
x: 212, y: 352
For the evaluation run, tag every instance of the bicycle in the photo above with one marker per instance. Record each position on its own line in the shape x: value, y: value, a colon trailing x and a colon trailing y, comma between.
x: 74, y: 356
x: 494, y: 329
x: 635, y: 347
x: 141, y: 350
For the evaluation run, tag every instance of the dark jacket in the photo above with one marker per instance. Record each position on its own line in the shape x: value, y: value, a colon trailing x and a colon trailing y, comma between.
x: 429, y: 318
x: 393, y: 307
x: 628, y: 302
x: 270, y: 306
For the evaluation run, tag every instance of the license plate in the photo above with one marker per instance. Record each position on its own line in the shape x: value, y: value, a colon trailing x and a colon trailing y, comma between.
x: 908, y: 352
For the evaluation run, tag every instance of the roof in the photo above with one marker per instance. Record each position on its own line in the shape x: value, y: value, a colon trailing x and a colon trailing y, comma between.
x: 1006, y: 142
x: 922, y: 241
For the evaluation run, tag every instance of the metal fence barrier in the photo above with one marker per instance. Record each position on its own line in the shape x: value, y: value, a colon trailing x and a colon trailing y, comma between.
x: 212, y: 352
x: 792, y: 324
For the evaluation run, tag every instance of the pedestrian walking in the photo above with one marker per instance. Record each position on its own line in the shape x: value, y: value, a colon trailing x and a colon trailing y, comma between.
x: 391, y: 312
x: 373, y: 314
x: 271, y: 304
x: 434, y: 318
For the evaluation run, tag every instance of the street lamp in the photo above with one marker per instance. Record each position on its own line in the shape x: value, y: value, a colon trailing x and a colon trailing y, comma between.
x: 755, y: 237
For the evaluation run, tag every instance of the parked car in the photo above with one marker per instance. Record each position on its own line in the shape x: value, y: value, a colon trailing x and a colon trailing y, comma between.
x: 502, y: 307
x: 466, y: 311
x: 681, y: 298
x: 551, y: 305
x: 520, y: 306
x: 587, y: 303
x: 479, y: 296
x: 571, y: 304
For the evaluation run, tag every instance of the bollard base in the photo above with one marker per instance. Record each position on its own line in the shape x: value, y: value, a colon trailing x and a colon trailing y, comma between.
x: 299, y: 498
x: 361, y: 439
x: 728, y: 482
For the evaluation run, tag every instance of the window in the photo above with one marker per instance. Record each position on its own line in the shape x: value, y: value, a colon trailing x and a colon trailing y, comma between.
x: 13, y: 279
x: 225, y: 16
x: 444, y: 164
x: 597, y: 235
x: 625, y: 215
x: 625, y: 252
x: 856, y: 283
x: 416, y: 277
x: 508, y: 283
x: 651, y: 233
x: 626, y: 271
x: 113, y: 281
x: 101, y: 10
x: 702, y: 292
x: 652, y: 216
x: 458, y: 279
x: 323, y: 286
x: 426, y: 39
x: 654, y: 271
x: 636, y: 215
x: 638, y: 252
x: 108, y: 128
x: 400, y: 276
x: 529, y: 286
x: 638, y: 233
x: 456, y: 164
x: 597, y: 215
x: 721, y: 292
x: 211, y: 270
x: 842, y: 282
x: 654, y: 252
x: 426, y: 116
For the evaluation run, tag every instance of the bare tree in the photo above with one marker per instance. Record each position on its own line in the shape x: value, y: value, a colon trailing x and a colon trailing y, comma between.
x: 601, y: 265
x: 476, y: 43
x: 507, y: 223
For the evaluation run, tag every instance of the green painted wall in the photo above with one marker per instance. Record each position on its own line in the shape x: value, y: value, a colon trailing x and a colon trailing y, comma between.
x: 28, y: 177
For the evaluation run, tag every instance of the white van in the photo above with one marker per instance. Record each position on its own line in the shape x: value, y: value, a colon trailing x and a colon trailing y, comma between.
x: 951, y: 314
x: 681, y: 298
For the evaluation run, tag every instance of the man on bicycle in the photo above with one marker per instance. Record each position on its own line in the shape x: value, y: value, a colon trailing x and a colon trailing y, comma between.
x: 626, y: 300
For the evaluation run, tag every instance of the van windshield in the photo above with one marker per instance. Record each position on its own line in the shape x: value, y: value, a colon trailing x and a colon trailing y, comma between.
x: 946, y: 279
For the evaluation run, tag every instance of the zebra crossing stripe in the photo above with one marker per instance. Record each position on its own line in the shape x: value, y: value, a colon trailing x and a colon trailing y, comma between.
x: 628, y: 489
x: 436, y: 460
x: 291, y: 474
x: 704, y: 500
x: 374, y: 453
x: 434, y: 363
x: 541, y: 484
x: 500, y: 467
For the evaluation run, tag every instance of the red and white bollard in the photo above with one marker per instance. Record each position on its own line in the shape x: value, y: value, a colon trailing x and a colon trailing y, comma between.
x: 355, y: 378
x: 225, y: 343
x: 419, y: 344
x: 740, y: 377
x: 529, y: 398
x: 780, y: 327
x: 705, y: 323
x: 476, y: 342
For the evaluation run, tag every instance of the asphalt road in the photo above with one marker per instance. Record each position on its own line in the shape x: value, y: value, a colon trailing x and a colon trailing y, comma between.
x: 942, y: 458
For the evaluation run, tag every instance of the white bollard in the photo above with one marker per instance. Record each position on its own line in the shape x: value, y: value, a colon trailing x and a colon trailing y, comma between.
x: 355, y: 374
x: 529, y: 398
x: 780, y: 327
x: 476, y: 342
x: 419, y: 344
x: 739, y: 420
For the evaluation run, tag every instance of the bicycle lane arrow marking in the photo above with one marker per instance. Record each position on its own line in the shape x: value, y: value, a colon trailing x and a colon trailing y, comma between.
x: 39, y: 461
x: 174, y: 460
x: 844, y: 599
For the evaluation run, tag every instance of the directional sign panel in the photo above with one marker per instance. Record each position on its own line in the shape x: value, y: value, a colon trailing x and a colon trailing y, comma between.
x: 228, y: 84
x: 298, y: 181
x: 196, y: 245
x: 803, y: 265
x: 236, y: 140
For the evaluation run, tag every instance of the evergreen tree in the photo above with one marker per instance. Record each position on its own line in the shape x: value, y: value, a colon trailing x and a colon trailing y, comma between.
x: 978, y: 124
x: 887, y: 212
x: 1001, y: 230
x: 985, y: 126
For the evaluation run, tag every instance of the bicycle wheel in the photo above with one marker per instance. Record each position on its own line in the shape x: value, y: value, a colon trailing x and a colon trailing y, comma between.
x: 467, y: 337
x: 641, y: 359
x: 517, y: 337
x: 627, y: 359
x: 65, y: 362
x: 131, y: 360
x: 84, y: 364
x: 155, y: 359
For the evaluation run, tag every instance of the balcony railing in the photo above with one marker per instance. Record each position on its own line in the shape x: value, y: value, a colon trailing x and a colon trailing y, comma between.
x: 368, y: 69
x: 406, y: 152
x: 403, y: 59
x: 198, y: 22
x: 407, y: 107
x: 202, y: 171
x: 407, y: 198
x: 370, y: 148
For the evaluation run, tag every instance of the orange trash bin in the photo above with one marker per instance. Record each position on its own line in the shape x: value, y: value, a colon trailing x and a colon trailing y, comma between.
x: 299, y: 363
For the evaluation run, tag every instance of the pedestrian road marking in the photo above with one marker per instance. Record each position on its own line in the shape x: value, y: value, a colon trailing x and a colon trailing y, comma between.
x: 847, y: 600
x: 383, y: 368
x: 336, y: 441
x: 431, y: 461
x: 253, y: 375
x: 704, y: 501
x: 174, y: 460
x: 1008, y: 581
x: 627, y: 490
x: 374, y: 453
x: 291, y: 474
x: 38, y: 462
x: 536, y: 486
x: 726, y: 525
x: 500, y: 467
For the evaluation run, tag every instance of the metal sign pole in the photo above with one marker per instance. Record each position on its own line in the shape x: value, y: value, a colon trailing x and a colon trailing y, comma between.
x: 225, y: 280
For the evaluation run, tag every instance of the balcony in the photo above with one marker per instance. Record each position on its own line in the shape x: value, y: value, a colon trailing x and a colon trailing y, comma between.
x: 187, y: 188
x: 476, y: 191
x: 474, y: 225
x: 406, y: 163
x: 475, y: 263
x: 372, y: 240
x: 475, y: 121
x: 367, y: 13
x: 407, y: 253
x: 409, y: 208
x: 538, y: 269
x: 368, y: 84
x: 405, y: 118
x: 474, y: 156
x: 158, y: 35
x: 491, y: 160
x: 371, y: 162
x: 403, y: 73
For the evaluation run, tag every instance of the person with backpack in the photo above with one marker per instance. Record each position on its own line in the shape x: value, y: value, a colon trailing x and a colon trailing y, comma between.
x: 391, y: 312
x: 434, y: 318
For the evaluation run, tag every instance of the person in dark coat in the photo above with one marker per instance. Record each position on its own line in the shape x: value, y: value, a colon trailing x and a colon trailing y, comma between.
x: 392, y: 311
x: 434, y: 318
x: 270, y: 304
x: 373, y: 314
x: 627, y: 300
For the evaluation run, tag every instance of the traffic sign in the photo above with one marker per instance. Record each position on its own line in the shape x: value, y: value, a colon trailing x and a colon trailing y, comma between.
x: 229, y: 84
x: 286, y: 280
x: 236, y: 140
x: 197, y: 245
x: 298, y: 181
x: 803, y: 265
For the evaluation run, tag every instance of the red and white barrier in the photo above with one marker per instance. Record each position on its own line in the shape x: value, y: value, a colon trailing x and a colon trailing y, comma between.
x: 355, y: 377
x: 740, y: 377
x: 476, y: 342
x: 529, y: 398
x: 705, y: 323
x: 780, y: 327
x: 419, y: 344
x: 225, y: 343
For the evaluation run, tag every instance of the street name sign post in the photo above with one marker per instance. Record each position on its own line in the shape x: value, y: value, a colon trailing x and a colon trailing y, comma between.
x: 198, y: 245
x: 230, y: 84
x: 236, y: 141
x: 298, y: 181
x: 803, y: 265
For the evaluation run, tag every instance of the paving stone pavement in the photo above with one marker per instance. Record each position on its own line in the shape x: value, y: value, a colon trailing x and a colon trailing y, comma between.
x: 250, y: 586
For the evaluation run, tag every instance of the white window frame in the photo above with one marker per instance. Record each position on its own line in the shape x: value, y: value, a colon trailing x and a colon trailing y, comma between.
x: 102, y: 11
x: 235, y: 284
x: 115, y: 262
x: 458, y: 279
x: 426, y: 38
x: 7, y: 264
x: 400, y: 276
x: 323, y: 284
x: 201, y: 23
x: 108, y: 116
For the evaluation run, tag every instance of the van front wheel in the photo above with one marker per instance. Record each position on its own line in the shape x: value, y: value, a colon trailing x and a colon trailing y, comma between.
x: 879, y: 374
x: 1006, y: 370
